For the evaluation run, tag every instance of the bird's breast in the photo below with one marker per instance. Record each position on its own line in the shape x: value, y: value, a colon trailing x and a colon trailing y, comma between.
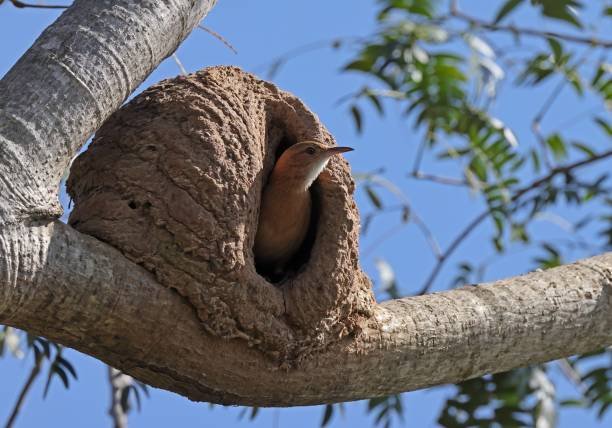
x: 283, y: 223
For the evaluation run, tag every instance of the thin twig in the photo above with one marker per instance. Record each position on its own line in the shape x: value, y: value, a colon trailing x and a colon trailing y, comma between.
x: 405, y: 204
x: 218, y: 37
x: 572, y: 375
x: 589, y: 40
x: 418, y: 159
x: 483, y: 215
x: 21, y: 5
x: 575, y: 119
x: 26, y: 387
x: 275, y: 63
x: 451, y: 181
x: 537, y: 120
x: 427, y: 233
x: 179, y: 64
x: 382, y: 238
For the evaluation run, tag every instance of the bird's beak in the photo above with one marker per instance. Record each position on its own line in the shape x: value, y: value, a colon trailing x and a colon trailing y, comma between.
x: 337, y: 150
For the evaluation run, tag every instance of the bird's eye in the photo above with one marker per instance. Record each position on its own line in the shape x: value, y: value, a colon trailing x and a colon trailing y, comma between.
x: 310, y: 150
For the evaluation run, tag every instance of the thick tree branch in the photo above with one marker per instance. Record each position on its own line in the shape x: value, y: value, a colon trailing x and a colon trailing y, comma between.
x: 79, y: 292
x: 75, y: 75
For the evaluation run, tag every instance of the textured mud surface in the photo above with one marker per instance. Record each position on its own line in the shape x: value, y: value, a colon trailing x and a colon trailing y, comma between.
x: 173, y: 180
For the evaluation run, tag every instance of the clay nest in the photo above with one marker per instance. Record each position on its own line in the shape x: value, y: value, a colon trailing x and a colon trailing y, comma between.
x: 173, y: 180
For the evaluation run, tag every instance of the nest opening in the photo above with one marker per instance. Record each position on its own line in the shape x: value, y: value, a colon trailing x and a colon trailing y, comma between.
x: 299, y: 261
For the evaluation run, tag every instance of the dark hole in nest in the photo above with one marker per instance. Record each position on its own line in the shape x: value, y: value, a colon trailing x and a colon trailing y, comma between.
x: 299, y: 261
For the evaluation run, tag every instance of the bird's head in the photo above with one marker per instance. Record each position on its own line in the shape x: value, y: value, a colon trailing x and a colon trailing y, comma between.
x: 304, y: 161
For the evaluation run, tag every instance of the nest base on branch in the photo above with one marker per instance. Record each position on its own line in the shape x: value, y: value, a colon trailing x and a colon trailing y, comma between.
x: 174, y: 180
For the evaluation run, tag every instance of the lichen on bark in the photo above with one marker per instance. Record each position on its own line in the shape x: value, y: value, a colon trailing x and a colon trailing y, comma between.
x: 173, y: 180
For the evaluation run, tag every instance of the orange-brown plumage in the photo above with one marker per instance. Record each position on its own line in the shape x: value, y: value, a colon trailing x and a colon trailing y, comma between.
x: 286, y: 205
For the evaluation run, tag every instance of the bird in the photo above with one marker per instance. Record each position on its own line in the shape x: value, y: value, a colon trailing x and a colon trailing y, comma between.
x: 286, y: 204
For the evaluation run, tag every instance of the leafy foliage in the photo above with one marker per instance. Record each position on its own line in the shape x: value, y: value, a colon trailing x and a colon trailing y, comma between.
x: 597, y: 382
x: 510, y: 399
x: 130, y: 395
x: 445, y: 78
x: 59, y: 367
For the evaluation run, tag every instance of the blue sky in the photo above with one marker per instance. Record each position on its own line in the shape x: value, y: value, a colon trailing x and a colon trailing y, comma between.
x: 261, y: 31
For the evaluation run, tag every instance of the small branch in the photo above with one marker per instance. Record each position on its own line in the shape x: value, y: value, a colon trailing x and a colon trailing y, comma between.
x: 561, y: 170
x: 537, y: 120
x: 572, y: 375
x: 404, y: 205
x: 482, y: 216
x: 179, y: 64
x: 427, y: 233
x: 592, y: 41
x: 439, y: 179
x: 419, y: 157
x: 218, y: 37
x: 273, y: 65
x: 22, y: 5
x: 26, y: 388
x: 451, y: 249
x: 118, y: 382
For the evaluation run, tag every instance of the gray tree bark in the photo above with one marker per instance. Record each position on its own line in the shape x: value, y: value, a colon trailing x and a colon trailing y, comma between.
x: 78, y: 291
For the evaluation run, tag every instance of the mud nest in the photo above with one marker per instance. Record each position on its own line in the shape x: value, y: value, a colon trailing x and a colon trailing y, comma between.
x: 173, y: 180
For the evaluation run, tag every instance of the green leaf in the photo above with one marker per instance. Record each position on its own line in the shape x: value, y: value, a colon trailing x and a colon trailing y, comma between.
x: 603, y: 124
x: 584, y: 149
x: 360, y: 65
x: 67, y: 365
x: 327, y: 415
x: 574, y: 78
x: 563, y: 10
x: 557, y: 146
x: 375, y: 102
x: 535, y: 160
x: 599, y: 73
x: 506, y: 9
x: 356, y: 113
x: 556, y: 49
x: 478, y: 167
x: 573, y: 403
x: 373, y: 196
x: 136, y: 396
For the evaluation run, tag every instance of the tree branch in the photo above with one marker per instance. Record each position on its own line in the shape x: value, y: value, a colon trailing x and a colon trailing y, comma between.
x: 94, y: 56
x: 455, y: 243
x: 91, y: 298
x: 514, y: 30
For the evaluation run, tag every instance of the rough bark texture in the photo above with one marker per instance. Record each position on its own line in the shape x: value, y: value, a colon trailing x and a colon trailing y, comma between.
x: 75, y: 75
x: 83, y: 293
x: 174, y: 180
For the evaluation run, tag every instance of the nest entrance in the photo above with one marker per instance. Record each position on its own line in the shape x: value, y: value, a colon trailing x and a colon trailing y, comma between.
x: 299, y: 261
